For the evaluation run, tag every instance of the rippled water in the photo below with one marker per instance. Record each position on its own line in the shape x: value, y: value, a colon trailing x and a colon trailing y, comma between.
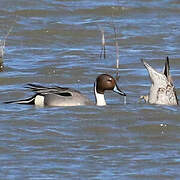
x: 59, y: 42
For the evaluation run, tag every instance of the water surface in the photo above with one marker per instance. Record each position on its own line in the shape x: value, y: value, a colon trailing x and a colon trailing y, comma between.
x: 59, y: 42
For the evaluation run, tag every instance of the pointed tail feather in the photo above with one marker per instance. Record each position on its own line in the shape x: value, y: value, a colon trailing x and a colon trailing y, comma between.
x: 23, y: 101
x: 166, y: 68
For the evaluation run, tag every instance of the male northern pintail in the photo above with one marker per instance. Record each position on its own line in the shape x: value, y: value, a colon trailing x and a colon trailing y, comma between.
x: 58, y: 96
x: 162, y: 90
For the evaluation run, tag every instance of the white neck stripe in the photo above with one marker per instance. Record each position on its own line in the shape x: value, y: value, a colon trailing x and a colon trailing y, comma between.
x: 100, y: 100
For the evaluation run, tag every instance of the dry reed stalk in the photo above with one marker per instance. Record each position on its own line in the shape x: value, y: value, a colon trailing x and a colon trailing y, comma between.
x: 103, y: 49
x: 2, y: 47
x: 3, y: 43
x: 117, y: 53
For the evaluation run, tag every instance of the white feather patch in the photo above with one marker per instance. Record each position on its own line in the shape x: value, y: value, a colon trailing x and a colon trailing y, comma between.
x: 100, y: 100
x: 39, y: 100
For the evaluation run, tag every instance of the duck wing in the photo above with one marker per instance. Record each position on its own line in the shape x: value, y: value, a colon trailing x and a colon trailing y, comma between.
x: 61, y: 91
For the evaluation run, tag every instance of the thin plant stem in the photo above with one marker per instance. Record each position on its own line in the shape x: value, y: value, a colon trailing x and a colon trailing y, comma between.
x: 103, y: 48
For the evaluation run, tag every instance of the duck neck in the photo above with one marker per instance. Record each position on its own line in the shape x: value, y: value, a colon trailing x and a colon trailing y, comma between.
x: 100, y: 100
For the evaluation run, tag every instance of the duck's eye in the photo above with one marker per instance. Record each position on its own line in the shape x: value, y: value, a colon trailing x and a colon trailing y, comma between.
x: 110, y: 80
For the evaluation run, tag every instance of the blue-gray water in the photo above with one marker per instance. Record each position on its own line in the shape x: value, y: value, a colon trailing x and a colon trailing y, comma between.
x: 59, y: 42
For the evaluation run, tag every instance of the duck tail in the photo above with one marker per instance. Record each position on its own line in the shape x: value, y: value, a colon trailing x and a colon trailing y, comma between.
x: 23, y: 101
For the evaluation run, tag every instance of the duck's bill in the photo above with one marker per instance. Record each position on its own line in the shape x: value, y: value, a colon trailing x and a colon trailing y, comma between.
x: 117, y: 90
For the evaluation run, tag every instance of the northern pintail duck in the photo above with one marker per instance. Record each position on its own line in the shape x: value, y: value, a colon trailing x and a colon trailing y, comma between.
x: 58, y: 96
x: 162, y: 90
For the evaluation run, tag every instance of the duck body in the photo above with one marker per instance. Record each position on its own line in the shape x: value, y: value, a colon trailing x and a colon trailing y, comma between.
x: 58, y: 96
x: 76, y: 99
x: 162, y: 90
x: 55, y: 96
